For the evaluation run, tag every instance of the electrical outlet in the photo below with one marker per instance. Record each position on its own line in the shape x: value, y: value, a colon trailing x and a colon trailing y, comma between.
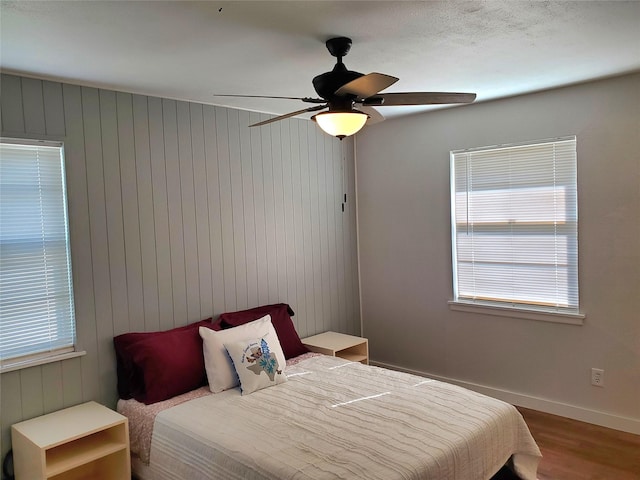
x: 597, y: 377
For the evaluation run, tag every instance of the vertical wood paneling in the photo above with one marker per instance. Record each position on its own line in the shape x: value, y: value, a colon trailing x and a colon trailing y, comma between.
x: 115, y: 241
x: 146, y: 217
x: 80, y: 234
x: 288, y: 225
x: 323, y: 191
x: 237, y: 211
x: 297, y: 228
x: 176, y: 224
x: 31, y: 392
x: 115, y: 231
x: 160, y: 214
x: 250, y: 234
x: 11, y: 411
x: 33, y: 104
x: 306, y: 178
x: 75, y: 388
x: 130, y: 217
x: 333, y: 207
x: 226, y: 209
x: 179, y: 211
x: 98, y: 232
x: 269, y: 214
x: 53, y: 108
x: 280, y: 260
x: 259, y: 211
x: 213, y: 195
x: 52, y: 387
x: 314, y: 220
x: 11, y: 105
x: 200, y: 186
x: 340, y: 225
x: 351, y: 256
x: 185, y: 157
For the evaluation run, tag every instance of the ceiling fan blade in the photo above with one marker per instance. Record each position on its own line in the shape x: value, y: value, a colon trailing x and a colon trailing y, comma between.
x: 304, y: 99
x: 374, y: 115
x: 419, y: 98
x: 290, y: 114
x: 367, y: 85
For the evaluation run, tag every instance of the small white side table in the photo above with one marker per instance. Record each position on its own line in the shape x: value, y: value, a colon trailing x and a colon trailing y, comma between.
x: 340, y: 345
x: 81, y: 442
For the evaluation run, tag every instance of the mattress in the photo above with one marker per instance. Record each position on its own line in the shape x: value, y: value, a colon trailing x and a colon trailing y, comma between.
x: 334, y: 419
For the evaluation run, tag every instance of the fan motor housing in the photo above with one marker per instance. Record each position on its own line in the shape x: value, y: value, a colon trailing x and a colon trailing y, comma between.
x: 327, y: 83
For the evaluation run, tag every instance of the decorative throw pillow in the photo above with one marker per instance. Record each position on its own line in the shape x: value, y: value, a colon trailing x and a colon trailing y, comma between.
x: 281, y: 314
x: 259, y: 363
x: 218, y: 365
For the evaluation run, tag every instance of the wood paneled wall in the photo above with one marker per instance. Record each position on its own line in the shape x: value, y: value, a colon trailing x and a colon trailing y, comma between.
x: 178, y: 211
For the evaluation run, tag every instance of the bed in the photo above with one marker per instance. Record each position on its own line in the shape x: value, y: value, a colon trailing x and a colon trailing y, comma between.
x: 328, y: 419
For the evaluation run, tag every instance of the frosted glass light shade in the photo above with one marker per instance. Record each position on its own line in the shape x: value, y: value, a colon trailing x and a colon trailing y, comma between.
x: 341, y: 124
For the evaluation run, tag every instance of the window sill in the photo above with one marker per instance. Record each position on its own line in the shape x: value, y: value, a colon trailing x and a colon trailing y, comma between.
x: 565, y: 318
x: 12, y: 366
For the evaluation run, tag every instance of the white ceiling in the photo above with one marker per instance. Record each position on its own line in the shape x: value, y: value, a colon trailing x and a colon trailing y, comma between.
x: 191, y: 50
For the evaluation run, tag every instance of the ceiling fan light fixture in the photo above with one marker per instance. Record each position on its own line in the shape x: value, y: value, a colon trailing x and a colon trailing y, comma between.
x: 341, y: 89
x: 341, y: 124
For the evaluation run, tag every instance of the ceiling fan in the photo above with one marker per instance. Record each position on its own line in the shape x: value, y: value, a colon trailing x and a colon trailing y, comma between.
x: 350, y: 97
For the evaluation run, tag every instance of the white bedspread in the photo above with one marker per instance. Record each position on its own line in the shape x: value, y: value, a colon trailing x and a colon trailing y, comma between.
x: 339, y: 420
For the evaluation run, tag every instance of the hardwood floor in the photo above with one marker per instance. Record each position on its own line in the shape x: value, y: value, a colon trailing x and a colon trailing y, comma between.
x: 574, y: 450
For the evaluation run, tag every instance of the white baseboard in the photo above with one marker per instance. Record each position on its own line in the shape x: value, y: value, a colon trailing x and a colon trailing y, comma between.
x: 595, y: 417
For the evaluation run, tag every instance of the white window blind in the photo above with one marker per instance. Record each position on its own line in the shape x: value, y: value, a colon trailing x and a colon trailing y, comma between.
x: 515, y: 226
x: 36, y: 296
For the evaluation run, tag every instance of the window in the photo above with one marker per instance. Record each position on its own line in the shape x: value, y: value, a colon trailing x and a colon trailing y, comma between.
x: 36, y: 297
x: 515, y: 226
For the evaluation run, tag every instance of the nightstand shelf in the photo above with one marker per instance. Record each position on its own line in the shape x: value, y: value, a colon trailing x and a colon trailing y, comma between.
x: 85, y: 441
x: 349, y: 347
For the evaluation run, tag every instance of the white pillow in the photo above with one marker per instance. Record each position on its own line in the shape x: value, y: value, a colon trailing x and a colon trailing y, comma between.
x: 258, y: 362
x: 220, y: 372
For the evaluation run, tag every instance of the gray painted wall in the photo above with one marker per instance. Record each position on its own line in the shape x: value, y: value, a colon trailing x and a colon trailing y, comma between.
x: 405, y: 253
x: 178, y: 212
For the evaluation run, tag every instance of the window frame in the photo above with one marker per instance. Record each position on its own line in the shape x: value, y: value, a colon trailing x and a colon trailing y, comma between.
x: 511, y: 308
x: 70, y: 348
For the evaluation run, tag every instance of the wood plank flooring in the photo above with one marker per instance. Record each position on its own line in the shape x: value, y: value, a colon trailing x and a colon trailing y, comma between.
x: 574, y: 450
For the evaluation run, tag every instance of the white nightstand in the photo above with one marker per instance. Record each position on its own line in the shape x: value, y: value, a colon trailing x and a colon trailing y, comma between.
x: 81, y: 442
x: 340, y: 345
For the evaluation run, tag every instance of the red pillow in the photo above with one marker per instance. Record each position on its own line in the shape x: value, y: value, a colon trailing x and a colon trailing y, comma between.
x: 280, y: 318
x: 130, y: 375
x: 170, y: 365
